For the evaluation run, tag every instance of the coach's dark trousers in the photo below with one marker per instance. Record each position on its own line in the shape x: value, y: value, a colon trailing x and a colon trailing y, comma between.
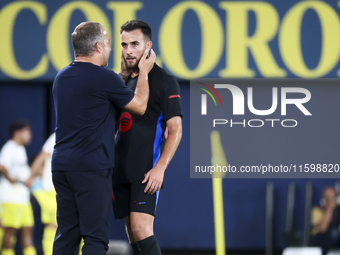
x: 83, y: 211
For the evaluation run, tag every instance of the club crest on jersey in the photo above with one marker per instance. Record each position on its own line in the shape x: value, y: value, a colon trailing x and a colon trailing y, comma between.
x: 125, y: 122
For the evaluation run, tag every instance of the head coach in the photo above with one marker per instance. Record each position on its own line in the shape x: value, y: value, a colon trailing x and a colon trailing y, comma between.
x: 86, y: 98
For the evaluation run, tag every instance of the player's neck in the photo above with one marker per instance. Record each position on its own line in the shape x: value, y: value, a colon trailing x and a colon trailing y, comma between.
x: 134, y: 74
x: 17, y: 141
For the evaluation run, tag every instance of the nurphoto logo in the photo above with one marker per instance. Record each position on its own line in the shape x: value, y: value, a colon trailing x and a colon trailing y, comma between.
x: 302, y: 96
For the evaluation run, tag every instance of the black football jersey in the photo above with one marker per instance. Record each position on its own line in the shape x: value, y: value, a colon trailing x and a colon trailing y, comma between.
x: 140, y: 139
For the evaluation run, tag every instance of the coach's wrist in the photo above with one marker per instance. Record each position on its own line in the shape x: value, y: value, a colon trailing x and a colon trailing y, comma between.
x: 143, y: 74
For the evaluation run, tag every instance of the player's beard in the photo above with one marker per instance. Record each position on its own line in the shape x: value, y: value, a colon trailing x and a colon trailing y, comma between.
x: 134, y: 67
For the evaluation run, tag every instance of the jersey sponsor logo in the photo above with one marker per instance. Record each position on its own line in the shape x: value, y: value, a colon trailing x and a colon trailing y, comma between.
x: 174, y: 96
x: 138, y: 203
x: 125, y: 122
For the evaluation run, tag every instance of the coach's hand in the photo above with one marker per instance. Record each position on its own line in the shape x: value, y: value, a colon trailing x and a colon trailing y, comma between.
x: 124, y: 73
x: 146, y: 62
x: 155, y: 179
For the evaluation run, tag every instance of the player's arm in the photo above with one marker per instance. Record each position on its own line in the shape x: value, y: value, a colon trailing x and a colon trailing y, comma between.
x: 139, y: 103
x: 5, y: 174
x: 37, y: 167
x: 156, y: 175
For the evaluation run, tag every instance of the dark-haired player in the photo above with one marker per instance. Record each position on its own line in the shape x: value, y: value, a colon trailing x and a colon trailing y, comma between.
x: 17, y: 210
x: 142, y: 153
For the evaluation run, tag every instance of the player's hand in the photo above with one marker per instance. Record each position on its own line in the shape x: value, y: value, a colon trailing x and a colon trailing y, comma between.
x: 5, y: 174
x: 146, y: 62
x: 155, y: 179
x: 12, y: 181
x: 124, y: 73
x: 123, y: 68
x: 29, y: 182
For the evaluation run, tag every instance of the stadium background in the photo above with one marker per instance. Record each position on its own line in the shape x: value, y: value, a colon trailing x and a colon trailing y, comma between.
x: 192, y: 39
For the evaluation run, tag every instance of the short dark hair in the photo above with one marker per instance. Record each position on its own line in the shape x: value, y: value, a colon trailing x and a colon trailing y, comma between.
x: 16, y: 126
x: 85, y: 37
x: 137, y: 24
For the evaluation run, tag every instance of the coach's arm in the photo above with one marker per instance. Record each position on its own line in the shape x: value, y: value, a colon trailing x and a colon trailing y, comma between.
x: 156, y: 175
x: 139, y: 103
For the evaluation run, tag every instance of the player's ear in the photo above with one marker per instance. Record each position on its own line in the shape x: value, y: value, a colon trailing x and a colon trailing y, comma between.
x: 149, y: 45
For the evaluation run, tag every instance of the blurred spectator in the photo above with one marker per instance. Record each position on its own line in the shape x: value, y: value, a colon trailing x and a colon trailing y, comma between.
x: 326, y: 221
x: 337, y: 188
x: 17, y: 210
x: 1, y: 229
x: 43, y: 190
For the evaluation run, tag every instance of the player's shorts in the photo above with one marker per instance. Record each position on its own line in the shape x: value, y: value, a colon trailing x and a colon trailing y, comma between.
x: 130, y: 197
x: 0, y: 220
x: 17, y: 215
x: 48, y: 205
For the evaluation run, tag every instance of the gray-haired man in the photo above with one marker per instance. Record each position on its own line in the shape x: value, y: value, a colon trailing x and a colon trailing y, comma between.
x: 86, y: 97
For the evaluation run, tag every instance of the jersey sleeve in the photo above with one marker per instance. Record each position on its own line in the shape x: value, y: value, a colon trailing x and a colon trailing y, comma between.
x: 6, y: 157
x: 117, y: 92
x: 170, y: 98
x: 49, y: 144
